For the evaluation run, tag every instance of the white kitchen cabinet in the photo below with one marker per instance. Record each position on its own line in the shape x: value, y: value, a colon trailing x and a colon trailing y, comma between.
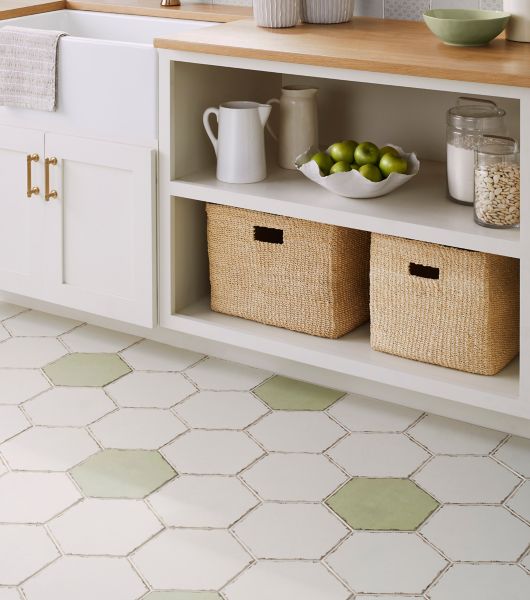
x: 101, y: 227
x: 23, y: 247
x: 86, y: 238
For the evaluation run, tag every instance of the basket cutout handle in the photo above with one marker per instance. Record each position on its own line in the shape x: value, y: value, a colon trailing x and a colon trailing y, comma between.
x: 269, y: 235
x: 424, y: 271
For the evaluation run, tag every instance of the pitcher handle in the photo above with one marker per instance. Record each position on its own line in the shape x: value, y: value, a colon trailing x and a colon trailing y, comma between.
x: 269, y: 128
x: 207, y: 126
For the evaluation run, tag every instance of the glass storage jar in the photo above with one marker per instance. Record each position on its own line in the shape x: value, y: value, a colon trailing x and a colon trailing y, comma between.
x: 467, y: 122
x: 497, y: 183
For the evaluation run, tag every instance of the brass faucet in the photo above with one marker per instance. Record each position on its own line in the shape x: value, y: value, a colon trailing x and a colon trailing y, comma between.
x: 169, y: 2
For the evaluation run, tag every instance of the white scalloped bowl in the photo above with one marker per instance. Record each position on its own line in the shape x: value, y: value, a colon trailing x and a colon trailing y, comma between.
x: 352, y: 184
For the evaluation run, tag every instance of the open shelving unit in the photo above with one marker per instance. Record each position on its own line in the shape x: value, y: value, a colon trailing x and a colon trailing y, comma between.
x: 190, y: 83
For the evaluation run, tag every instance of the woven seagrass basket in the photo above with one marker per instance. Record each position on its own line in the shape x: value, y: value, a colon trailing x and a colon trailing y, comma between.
x: 445, y: 306
x: 299, y: 275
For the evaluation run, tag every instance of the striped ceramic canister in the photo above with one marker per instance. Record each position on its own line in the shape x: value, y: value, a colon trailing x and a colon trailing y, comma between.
x: 277, y: 13
x: 327, y: 11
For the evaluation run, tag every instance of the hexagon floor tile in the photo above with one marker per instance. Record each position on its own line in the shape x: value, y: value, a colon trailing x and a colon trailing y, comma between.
x: 27, y: 497
x: 386, y: 563
x: 181, y: 596
x: 122, y: 473
x: 85, y: 578
x: 69, y: 407
x: 281, y: 393
x: 287, y: 531
x: 520, y: 501
x: 358, y: 413
x: 90, y: 338
x: 482, y: 582
x: 477, y: 533
x: 201, y: 452
x: 445, y: 436
x: 382, y: 504
x: 190, y: 559
x: 290, y: 580
x: 24, y: 549
x: 105, y: 527
x: 137, y: 428
x: 30, y: 353
x: 8, y: 310
x: 35, y: 323
x: 86, y: 369
x: 296, y: 431
x: 202, y: 501
x: 216, y: 374
x: 466, y: 480
x: 9, y: 594
x: 18, y: 385
x: 12, y: 421
x: 48, y: 449
x: 516, y: 454
x: 378, y: 455
x: 150, y: 390
x: 221, y: 410
x: 152, y: 356
x: 294, y: 477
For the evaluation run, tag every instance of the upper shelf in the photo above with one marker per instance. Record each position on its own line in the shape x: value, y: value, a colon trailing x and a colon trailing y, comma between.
x: 419, y: 210
x: 379, y: 45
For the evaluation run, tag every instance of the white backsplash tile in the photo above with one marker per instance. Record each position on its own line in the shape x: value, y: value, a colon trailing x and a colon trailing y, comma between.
x: 392, y: 9
x: 411, y: 10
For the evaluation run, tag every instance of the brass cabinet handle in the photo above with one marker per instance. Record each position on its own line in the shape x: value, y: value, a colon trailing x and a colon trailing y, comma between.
x: 49, y: 194
x: 31, y: 189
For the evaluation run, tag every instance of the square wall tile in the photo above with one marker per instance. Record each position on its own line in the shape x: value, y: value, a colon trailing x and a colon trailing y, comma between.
x: 409, y: 10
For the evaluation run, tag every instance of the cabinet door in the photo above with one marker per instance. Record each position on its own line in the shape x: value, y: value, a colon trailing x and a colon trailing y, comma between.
x: 23, y: 245
x: 103, y: 228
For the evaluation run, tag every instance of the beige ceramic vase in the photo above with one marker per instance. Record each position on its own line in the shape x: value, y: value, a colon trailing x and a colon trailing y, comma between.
x: 298, y: 123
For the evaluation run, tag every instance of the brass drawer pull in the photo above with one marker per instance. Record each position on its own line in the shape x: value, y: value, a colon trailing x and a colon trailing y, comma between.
x: 31, y: 189
x: 49, y: 194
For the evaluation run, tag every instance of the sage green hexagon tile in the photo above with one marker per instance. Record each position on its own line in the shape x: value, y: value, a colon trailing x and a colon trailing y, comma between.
x: 183, y: 596
x: 122, y: 473
x: 281, y: 393
x: 86, y: 369
x: 385, y: 504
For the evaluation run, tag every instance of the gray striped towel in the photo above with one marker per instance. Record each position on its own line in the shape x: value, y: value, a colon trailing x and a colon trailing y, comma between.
x: 28, y: 68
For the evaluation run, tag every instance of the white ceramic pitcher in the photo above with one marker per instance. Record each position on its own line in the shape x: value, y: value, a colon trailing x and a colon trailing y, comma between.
x: 298, y: 123
x: 240, y: 145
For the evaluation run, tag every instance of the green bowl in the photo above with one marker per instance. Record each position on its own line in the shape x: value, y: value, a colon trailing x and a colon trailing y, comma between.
x: 460, y: 27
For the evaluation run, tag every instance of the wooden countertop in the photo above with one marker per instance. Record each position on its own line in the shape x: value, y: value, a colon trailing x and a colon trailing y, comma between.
x: 150, y: 8
x: 385, y: 46
x: 20, y: 8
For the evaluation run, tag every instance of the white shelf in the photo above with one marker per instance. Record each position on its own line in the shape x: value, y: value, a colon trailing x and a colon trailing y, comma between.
x: 419, y: 210
x: 352, y: 355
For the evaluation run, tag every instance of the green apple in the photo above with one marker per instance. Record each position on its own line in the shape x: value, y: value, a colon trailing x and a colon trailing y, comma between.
x: 366, y: 154
x: 393, y: 164
x: 388, y: 150
x: 371, y: 172
x: 340, y: 167
x: 343, y: 151
x: 324, y: 162
x: 354, y: 167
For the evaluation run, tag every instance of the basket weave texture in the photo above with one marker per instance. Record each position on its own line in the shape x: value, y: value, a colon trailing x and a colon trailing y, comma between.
x: 315, y: 280
x: 466, y: 319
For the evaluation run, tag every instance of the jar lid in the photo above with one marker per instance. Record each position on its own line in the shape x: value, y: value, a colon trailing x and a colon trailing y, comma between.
x: 475, y: 114
x: 498, y: 145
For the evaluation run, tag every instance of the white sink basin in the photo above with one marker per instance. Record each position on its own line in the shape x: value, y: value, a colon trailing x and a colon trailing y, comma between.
x: 110, y: 27
x: 107, y: 77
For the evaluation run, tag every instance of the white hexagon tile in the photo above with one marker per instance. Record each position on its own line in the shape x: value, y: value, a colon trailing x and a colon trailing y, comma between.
x: 131, y: 470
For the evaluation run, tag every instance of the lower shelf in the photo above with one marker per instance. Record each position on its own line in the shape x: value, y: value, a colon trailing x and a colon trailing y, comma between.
x: 353, y: 356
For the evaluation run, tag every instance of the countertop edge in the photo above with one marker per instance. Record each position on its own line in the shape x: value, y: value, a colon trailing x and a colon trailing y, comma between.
x: 317, y: 60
